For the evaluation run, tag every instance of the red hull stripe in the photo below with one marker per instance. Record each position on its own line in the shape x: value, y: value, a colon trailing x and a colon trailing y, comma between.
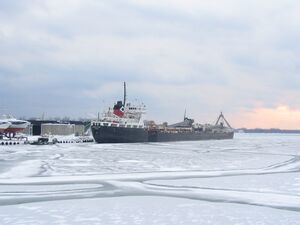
x: 13, y: 130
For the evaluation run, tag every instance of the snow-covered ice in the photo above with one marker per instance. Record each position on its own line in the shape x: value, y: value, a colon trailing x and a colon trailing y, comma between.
x: 252, y: 179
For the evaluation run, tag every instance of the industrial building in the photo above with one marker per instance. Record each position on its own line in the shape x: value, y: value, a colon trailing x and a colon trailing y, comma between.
x: 53, y: 127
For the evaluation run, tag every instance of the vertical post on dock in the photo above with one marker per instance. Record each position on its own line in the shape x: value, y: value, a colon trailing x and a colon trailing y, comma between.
x: 124, y: 102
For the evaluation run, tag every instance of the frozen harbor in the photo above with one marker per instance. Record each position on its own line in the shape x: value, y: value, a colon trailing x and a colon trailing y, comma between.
x: 252, y: 179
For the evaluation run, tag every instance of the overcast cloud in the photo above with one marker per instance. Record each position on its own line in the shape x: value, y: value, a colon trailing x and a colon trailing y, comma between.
x: 70, y: 58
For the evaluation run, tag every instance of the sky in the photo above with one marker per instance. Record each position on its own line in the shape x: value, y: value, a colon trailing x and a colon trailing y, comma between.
x: 70, y: 58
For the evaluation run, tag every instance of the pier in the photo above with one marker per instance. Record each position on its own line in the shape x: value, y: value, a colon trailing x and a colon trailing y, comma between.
x: 60, y: 140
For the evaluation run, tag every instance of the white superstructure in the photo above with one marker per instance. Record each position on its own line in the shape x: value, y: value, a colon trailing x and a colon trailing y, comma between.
x: 123, y: 115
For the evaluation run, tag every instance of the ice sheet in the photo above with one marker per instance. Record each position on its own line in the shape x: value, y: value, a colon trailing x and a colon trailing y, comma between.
x: 219, y: 180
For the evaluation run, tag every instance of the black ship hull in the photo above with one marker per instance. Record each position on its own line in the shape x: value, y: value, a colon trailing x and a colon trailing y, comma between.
x: 108, y: 134
x: 154, y: 136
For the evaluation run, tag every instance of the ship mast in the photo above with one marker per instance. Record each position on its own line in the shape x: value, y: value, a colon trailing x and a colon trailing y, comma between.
x: 124, y: 102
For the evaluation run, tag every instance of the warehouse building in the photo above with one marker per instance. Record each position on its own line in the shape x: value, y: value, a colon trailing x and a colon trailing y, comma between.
x: 53, y: 127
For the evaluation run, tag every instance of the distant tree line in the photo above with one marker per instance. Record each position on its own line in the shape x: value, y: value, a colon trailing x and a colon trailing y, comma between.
x: 271, y: 130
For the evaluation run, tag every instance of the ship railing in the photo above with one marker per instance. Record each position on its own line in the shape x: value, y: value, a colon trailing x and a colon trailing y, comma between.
x: 115, y: 124
x: 170, y: 130
x: 179, y: 128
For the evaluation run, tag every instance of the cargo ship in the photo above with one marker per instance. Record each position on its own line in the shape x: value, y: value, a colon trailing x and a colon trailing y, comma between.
x: 123, y: 123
